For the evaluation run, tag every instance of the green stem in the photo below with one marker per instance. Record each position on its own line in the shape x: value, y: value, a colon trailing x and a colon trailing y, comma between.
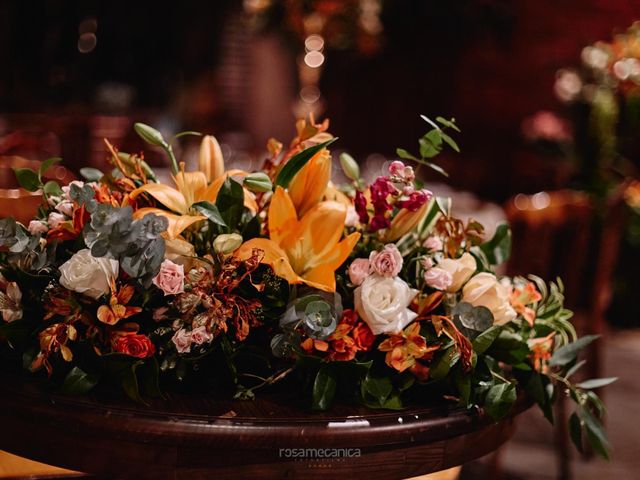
x: 172, y: 157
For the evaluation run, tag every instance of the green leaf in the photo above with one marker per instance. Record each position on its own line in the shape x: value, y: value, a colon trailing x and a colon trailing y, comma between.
x: 448, y: 123
x: 377, y: 387
x: 402, y: 153
x: 499, y: 400
x: 230, y: 202
x: 52, y: 189
x: 595, y: 434
x: 149, y: 376
x: 498, y: 249
x: 91, y: 174
x: 210, y: 211
x: 463, y: 384
x: 569, y: 352
x: 427, y: 149
x: 450, y: 141
x: 48, y: 163
x: 575, y: 430
x: 150, y: 135
x: 27, y: 178
x: 78, y: 382
x: 324, y: 389
x: 441, y: 366
x: 483, y: 341
x: 596, y: 383
x: 295, y: 163
x: 534, y: 385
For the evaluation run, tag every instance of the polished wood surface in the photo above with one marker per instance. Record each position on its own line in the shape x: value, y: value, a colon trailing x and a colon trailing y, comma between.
x: 197, y: 436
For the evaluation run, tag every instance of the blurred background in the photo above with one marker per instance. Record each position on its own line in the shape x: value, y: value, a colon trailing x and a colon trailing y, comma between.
x: 546, y: 92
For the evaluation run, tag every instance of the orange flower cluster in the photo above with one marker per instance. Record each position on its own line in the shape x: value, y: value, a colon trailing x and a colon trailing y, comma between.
x: 351, y: 336
x: 521, y: 297
x: 53, y: 339
x: 542, y: 349
x: 117, y: 308
x: 406, y: 348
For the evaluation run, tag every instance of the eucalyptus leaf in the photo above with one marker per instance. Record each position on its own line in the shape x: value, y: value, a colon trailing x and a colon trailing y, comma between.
x: 567, y: 353
x: 91, y: 174
x: 596, y: 383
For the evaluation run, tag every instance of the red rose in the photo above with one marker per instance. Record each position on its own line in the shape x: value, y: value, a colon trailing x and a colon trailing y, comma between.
x: 138, y: 346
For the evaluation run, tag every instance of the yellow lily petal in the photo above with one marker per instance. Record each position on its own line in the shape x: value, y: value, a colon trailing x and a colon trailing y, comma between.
x: 192, y: 185
x: 308, y: 185
x: 317, y: 234
x: 282, y: 215
x: 211, y: 193
x: 273, y: 256
x: 404, y: 222
x: 177, y: 223
x: 169, y: 197
x: 210, y: 160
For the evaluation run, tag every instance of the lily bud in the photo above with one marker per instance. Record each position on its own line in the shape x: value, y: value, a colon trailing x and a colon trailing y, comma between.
x: 227, y: 243
x: 404, y: 222
x: 149, y: 134
x: 210, y: 160
x: 349, y: 166
x: 258, y: 182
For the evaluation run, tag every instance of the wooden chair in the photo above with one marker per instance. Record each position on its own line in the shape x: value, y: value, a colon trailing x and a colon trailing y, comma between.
x: 563, y: 234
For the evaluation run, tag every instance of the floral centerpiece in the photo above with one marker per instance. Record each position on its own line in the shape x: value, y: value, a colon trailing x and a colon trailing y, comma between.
x: 229, y: 281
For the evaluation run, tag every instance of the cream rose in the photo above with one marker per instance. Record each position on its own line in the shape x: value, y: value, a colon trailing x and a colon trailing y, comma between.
x: 382, y: 303
x: 484, y: 290
x: 86, y: 274
x: 460, y: 269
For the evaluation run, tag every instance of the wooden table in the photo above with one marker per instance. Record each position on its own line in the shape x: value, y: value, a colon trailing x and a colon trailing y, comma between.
x: 198, y: 437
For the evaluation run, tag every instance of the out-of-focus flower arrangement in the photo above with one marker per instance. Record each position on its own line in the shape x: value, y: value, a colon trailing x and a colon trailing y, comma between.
x: 232, y: 281
x: 604, y: 100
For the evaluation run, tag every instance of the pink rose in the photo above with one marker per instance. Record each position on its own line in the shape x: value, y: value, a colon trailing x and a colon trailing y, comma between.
x: 182, y: 340
x: 200, y: 335
x: 433, y: 244
x: 55, y: 219
x: 426, y: 263
x: 36, y: 226
x: 388, y: 262
x: 65, y: 208
x: 438, y: 278
x: 396, y: 168
x: 170, y: 278
x: 359, y: 270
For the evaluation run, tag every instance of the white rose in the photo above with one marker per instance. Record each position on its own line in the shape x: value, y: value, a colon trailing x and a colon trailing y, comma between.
x: 460, y: 269
x: 83, y: 273
x: 484, y: 290
x: 382, y: 303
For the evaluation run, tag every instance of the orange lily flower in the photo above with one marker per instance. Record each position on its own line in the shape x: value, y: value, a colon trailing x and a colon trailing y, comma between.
x: 521, y: 297
x: 117, y: 309
x: 191, y: 188
x: 308, y: 250
x: 309, y: 185
x: 404, y: 348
